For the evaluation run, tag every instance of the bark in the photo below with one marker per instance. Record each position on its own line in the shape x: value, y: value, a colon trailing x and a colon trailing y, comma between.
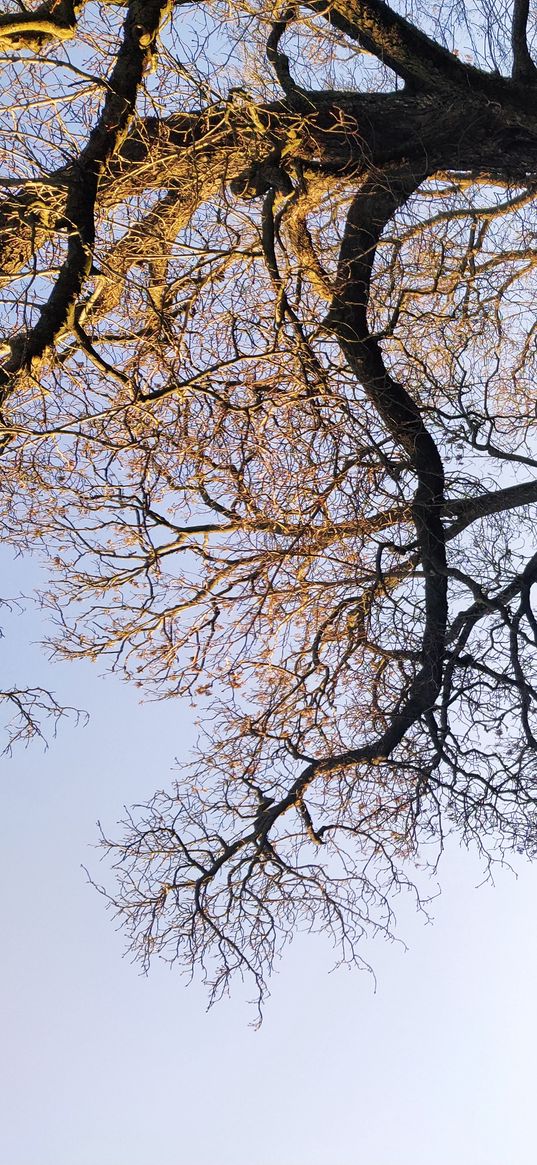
x: 141, y: 26
x: 344, y: 135
x: 524, y: 69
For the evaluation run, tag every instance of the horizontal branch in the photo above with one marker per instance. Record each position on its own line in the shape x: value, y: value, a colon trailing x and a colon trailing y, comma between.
x: 235, y: 142
x: 495, y: 502
x: 52, y: 20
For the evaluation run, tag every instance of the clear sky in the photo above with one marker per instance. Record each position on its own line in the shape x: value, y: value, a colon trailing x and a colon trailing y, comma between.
x: 101, y: 1066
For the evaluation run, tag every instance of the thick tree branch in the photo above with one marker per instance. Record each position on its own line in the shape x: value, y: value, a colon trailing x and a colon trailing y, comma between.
x: 395, y: 41
x: 418, y: 59
x: 494, y: 502
x: 524, y: 69
x: 148, y: 242
x: 371, y: 210
x: 141, y: 26
x: 341, y: 135
x: 52, y: 20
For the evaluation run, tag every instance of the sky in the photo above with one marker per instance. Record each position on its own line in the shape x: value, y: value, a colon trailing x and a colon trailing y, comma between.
x: 103, y: 1066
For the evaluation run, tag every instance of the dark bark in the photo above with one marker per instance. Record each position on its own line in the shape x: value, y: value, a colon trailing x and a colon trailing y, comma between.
x: 141, y: 26
x: 342, y: 134
x: 524, y: 69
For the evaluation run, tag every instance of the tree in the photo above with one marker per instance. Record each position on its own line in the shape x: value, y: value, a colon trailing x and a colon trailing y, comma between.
x: 267, y: 404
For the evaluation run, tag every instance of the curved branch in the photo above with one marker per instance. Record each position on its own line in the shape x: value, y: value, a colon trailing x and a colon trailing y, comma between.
x: 279, y: 60
x: 140, y: 28
x: 370, y: 211
x: 52, y: 20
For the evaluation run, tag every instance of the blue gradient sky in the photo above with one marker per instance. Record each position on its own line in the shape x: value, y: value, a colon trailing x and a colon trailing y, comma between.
x: 101, y: 1066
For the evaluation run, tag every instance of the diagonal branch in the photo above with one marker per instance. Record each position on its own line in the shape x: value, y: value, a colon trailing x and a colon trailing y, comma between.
x: 469, y: 510
x: 420, y: 61
x: 395, y: 41
x: 140, y: 28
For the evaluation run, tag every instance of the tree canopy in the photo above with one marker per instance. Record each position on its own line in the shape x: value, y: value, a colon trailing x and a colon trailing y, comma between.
x: 268, y: 409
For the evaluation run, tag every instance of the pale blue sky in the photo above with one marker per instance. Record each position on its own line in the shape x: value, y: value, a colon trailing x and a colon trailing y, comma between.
x: 103, y: 1067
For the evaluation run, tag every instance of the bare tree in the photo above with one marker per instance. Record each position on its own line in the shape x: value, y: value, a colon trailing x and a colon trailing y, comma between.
x: 268, y: 405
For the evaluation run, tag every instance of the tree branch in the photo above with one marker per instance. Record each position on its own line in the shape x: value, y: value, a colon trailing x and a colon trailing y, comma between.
x: 370, y: 211
x: 140, y: 28
x: 52, y: 20
x: 401, y: 46
x: 416, y: 58
x: 494, y: 502
x: 280, y: 62
x: 524, y: 69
